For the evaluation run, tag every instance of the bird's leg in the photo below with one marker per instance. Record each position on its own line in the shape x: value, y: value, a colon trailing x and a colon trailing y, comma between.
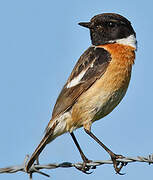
x: 84, y: 168
x: 112, y: 155
x: 84, y: 158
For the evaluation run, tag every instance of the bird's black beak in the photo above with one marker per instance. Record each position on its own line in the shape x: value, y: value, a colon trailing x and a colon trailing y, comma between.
x: 85, y: 24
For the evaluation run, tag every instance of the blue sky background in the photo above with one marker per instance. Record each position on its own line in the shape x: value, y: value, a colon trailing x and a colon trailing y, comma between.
x: 40, y: 42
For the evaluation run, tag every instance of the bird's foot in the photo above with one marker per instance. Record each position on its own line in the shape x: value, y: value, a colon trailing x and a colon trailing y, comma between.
x: 118, y: 165
x: 85, y: 168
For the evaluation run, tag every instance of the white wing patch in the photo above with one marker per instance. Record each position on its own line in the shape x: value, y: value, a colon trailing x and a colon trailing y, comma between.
x: 76, y: 80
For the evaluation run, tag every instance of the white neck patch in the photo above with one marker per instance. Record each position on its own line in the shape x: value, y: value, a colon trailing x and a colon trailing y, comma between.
x: 129, y: 41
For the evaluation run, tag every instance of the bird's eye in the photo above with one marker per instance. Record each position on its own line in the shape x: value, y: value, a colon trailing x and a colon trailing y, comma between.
x: 111, y: 24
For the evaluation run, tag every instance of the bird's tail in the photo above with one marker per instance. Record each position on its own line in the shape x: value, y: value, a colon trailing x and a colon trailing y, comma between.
x: 38, y: 150
x: 53, y: 130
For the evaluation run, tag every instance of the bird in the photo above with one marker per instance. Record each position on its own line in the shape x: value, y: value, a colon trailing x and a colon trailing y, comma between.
x: 96, y: 85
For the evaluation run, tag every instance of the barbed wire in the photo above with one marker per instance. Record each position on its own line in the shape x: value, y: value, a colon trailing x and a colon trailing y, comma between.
x: 91, y: 165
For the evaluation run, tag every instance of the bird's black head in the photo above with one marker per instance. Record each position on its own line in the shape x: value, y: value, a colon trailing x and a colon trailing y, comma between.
x: 108, y: 27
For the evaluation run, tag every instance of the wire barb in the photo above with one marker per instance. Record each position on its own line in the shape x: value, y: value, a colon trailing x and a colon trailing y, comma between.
x: 92, y: 165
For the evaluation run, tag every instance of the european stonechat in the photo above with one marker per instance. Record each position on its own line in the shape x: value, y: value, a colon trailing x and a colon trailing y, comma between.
x: 96, y: 85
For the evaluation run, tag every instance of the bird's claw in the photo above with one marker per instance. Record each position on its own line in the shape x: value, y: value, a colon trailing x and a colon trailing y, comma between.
x: 85, y: 168
x: 118, y: 165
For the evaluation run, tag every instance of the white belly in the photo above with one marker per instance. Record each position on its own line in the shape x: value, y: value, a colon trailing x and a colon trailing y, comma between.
x: 107, y: 102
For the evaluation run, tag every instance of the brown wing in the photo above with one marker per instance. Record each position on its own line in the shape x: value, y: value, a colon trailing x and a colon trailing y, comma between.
x: 94, y: 62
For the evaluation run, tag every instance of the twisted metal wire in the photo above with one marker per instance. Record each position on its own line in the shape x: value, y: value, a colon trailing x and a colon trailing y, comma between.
x: 92, y: 165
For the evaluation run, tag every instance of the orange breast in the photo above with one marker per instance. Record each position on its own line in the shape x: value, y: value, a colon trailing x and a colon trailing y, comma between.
x: 119, y: 71
x: 106, y: 93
